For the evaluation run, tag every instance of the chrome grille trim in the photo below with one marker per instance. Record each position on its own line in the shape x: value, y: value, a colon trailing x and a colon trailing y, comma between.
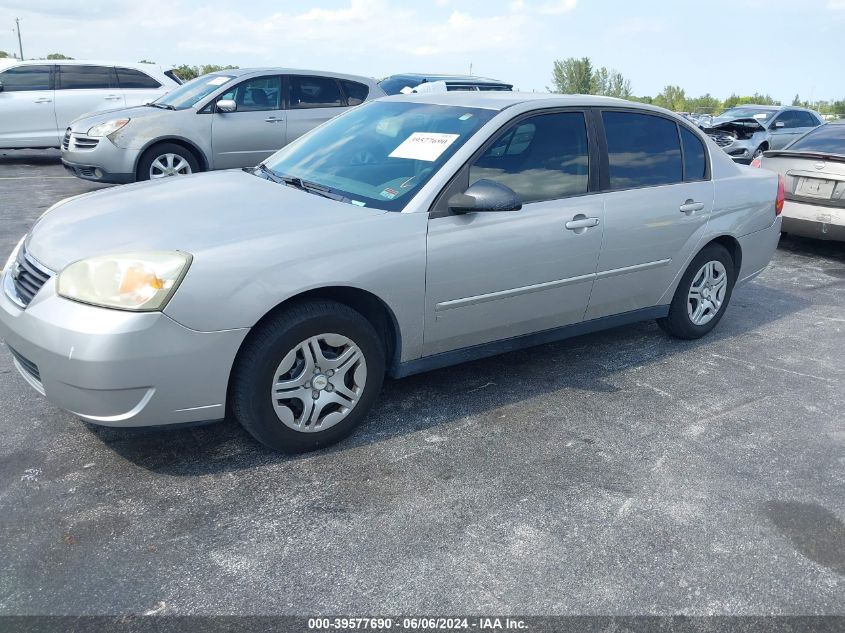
x: 79, y: 142
x: 66, y: 139
x: 25, y: 278
x: 722, y: 139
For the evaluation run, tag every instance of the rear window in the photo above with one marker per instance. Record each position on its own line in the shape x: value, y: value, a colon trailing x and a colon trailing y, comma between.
x: 131, y: 78
x: 356, y: 93
x: 86, y: 78
x: 828, y: 138
x: 644, y: 150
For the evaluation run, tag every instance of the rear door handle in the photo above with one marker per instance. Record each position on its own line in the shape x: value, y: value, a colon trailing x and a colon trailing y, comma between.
x: 581, y: 222
x: 43, y: 100
x: 113, y: 98
x: 274, y: 119
x: 691, y: 206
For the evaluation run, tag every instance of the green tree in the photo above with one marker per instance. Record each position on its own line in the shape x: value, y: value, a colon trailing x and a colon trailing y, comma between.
x: 57, y: 56
x: 146, y: 61
x: 186, y: 72
x: 672, y: 98
x: 3, y: 54
x: 797, y: 100
x: 573, y: 76
x: 705, y: 104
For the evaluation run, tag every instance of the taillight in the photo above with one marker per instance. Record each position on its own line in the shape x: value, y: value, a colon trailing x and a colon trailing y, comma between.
x: 781, y: 196
x: 757, y: 162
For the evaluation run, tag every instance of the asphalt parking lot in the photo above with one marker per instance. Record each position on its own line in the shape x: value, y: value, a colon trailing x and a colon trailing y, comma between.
x: 618, y: 473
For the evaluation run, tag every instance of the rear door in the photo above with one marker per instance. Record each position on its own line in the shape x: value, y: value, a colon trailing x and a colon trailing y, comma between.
x: 312, y: 100
x: 246, y: 137
x: 492, y: 276
x: 659, y: 199
x: 137, y: 87
x: 83, y: 89
x: 27, y: 107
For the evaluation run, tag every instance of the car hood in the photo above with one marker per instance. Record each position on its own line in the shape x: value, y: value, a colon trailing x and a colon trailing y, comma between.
x: 187, y: 213
x: 743, y: 123
x: 87, y: 121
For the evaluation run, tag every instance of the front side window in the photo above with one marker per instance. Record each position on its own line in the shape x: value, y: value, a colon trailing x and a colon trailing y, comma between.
x: 381, y: 153
x: 643, y: 150
x: 86, y: 78
x: 131, y: 78
x: 790, y: 119
x: 356, y: 93
x: 314, y: 92
x: 544, y: 157
x: 23, y: 78
x: 189, y: 94
x: 257, y: 94
x: 695, y: 161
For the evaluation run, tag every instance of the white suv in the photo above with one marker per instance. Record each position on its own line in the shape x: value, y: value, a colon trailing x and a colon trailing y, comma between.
x: 39, y: 98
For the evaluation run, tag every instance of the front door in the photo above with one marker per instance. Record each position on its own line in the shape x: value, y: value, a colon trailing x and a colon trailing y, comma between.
x: 312, y: 100
x: 27, y: 108
x: 659, y: 201
x: 253, y: 132
x: 497, y: 275
x: 787, y: 127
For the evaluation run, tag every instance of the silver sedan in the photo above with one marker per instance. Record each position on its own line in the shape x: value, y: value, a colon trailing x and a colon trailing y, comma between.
x: 408, y: 234
x: 233, y: 118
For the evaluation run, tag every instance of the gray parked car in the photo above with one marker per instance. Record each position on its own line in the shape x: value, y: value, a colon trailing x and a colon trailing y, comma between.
x: 746, y: 131
x: 408, y: 234
x: 232, y: 118
x: 813, y: 169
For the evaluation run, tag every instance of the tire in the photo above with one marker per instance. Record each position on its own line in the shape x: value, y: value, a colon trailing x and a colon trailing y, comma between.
x: 681, y: 321
x: 277, y: 376
x: 181, y: 160
x: 758, y: 152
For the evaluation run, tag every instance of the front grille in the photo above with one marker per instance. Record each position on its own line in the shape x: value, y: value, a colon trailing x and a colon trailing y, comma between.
x: 78, y: 142
x: 28, y: 276
x: 87, y: 171
x: 722, y: 139
x: 27, y: 365
x: 66, y: 139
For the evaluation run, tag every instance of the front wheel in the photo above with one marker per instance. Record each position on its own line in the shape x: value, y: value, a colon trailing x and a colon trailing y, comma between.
x: 308, y: 376
x: 166, y: 160
x: 702, y: 295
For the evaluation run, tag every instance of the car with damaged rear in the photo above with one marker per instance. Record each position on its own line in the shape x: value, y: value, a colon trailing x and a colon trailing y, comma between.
x: 410, y: 233
x: 746, y: 131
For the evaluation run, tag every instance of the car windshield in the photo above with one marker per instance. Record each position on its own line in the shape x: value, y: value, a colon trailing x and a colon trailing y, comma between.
x: 189, y: 94
x: 379, y: 154
x: 828, y: 139
x: 747, y: 113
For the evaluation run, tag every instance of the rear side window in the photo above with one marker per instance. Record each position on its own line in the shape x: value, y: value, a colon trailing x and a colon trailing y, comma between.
x: 314, y: 92
x: 807, y: 119
x: 131, y: 78
x: 356, y: 93
x: 26, y: 78
x: 695, y: 163
x: 544, y: 157
x: 828, y: 138
x: 86, y: 77
x: 644, y: 150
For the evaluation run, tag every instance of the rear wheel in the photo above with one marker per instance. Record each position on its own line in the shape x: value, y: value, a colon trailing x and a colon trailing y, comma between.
x: 702, y: 295
x: 308, y: 376
x: 166, y: 160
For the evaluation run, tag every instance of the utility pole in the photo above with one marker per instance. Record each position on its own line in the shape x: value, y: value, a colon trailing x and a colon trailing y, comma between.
x: 20, y: 46
x: 470, y: 69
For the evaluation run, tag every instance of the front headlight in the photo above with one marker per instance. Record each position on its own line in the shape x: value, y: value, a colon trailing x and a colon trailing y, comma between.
x: 131, y: 281
x: 109, y: 127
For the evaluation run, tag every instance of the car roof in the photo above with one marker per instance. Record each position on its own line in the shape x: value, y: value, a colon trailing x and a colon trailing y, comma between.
x: 500, y: 100
x: 240, y: 72
x: 444, y: 77
x: 87, y: 62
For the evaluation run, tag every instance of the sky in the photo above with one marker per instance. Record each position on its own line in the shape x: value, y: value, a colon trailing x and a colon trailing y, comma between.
x: 779, y: 47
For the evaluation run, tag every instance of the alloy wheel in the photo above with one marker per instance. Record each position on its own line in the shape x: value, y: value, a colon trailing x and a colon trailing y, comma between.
x: 168, y: 165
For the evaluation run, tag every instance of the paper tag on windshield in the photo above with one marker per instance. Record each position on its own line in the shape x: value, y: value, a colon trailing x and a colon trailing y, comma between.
x: 218, y: 81
x: 424, y: 146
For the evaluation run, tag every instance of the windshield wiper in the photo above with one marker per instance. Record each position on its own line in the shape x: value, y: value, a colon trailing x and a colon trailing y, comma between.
x: 271, y: 175
x: 163, y: 106
x: 302, y: 185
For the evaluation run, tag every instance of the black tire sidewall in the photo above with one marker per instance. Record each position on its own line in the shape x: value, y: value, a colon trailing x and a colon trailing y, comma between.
x: 143, y: 171
x: 256, y: 369
x: 678, y: 323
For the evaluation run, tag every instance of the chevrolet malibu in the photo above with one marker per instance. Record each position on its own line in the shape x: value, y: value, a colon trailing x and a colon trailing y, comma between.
x: 411, y: 233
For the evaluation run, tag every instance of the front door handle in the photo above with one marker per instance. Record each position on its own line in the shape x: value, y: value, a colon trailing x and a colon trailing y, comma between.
x: 691, y: 206
x: 43, y: 100
x: 274, y: 119
x: 113, y: 98
x: 581, y: 222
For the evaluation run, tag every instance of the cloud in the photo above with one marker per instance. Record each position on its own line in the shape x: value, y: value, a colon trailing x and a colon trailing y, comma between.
x: 557, y: 7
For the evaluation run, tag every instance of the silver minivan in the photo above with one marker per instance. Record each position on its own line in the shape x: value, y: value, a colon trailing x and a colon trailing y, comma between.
x: 39, y: 99
x: 223, y: 120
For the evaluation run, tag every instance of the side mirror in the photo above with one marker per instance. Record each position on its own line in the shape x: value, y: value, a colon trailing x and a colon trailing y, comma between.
x: 780, y: 124
x: 227, y: 105
x: 485, y: 195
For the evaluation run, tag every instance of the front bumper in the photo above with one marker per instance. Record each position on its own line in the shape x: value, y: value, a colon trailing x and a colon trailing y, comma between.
x: 118, y: 368
x: 807, y: 220
x: 104, y: 162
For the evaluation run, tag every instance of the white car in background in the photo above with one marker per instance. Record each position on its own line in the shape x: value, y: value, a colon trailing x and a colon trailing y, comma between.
x: 40, y: 98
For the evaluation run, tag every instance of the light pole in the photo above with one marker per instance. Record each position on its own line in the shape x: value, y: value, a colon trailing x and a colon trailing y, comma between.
x: 20, y: 46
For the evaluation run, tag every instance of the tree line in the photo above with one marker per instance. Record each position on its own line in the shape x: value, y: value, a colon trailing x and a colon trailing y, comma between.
x: 578, y: 76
